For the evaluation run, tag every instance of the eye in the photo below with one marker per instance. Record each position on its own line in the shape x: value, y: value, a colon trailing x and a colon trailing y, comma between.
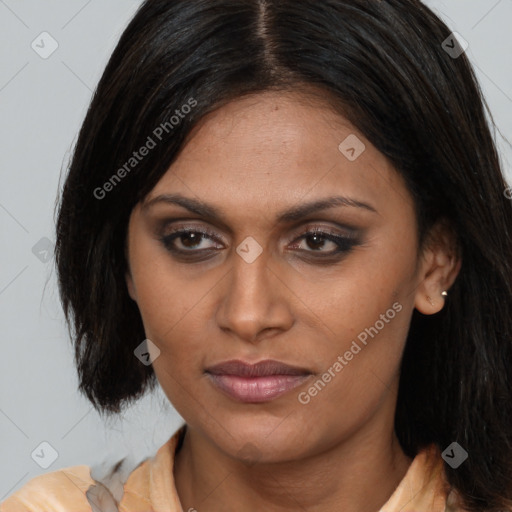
x: 316, y: 240
x: 188, y: 240
x: 199, y: 243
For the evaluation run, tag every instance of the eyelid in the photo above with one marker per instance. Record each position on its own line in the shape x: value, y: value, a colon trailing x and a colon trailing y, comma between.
x: 206, y: 231
x: 343, y: 231
x: 305, y: 226
x: 349, y: 240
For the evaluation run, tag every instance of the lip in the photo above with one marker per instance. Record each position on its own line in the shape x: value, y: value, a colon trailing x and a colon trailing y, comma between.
x: 260, y: 382
x: 263, y: 368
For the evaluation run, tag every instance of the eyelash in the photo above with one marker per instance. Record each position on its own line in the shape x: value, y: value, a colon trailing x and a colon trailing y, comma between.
x: 345, y: 243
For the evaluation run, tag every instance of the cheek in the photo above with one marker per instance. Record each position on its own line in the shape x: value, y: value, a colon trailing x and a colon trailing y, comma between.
x: 359, y: 371
x: 361, y: 292
x: 174, y: 321
x: 164, y: 295
x: 176, y: 311
x: 365, y: 319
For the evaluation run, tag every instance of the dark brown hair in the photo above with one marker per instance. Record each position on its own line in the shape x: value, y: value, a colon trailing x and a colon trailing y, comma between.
x: 384, y: 64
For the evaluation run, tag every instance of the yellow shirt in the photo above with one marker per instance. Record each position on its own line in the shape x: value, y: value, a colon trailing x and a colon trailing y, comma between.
x: 150, y: 487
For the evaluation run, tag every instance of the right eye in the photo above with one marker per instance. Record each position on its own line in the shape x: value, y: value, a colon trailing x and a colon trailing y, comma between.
x: 183, y: 241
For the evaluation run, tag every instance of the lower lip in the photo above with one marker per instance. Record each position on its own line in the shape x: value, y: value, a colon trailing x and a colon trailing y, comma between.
x: 256, y: 389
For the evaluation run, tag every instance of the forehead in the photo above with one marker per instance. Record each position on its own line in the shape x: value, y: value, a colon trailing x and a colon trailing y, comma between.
x: 275, y: 148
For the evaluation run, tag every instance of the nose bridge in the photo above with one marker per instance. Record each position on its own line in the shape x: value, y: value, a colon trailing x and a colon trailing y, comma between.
x: 252, y: 301
x: 250, y: 278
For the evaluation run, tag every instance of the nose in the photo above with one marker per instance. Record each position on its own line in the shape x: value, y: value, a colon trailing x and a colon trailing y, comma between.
x: 255, y: 301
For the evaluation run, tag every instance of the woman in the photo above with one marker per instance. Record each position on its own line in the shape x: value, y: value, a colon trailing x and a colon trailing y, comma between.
x: 291, y: 216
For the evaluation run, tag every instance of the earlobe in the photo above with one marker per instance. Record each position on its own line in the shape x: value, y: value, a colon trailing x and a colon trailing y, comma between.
x: 430, y: 304
x: 433, y: 290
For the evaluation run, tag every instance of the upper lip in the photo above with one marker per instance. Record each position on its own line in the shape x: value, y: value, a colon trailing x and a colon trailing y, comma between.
x: 260, y: 369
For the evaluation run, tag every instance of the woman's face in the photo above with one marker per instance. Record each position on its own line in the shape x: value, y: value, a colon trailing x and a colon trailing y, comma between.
x: 336, y: 305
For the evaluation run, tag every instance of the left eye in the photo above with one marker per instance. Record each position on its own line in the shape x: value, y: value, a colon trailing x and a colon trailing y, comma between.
x: 316, y: 240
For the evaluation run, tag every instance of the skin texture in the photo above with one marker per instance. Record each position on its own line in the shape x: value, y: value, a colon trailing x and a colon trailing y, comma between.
x: 253, y: 159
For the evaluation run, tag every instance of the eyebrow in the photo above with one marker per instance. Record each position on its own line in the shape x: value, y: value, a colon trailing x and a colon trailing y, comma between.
x: 293, y: 214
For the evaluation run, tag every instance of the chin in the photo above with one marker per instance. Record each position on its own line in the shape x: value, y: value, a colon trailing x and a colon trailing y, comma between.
x: 262, y: 441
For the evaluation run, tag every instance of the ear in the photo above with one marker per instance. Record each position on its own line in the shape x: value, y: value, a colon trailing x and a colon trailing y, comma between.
x: 128, y: 274
x: 440, y: 263
x: 130, y: 286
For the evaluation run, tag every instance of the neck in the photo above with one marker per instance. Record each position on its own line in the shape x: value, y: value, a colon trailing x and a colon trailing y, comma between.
x: 359, y: 474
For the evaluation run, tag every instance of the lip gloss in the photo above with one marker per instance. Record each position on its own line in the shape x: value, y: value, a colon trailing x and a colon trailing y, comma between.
x: 256, y: 389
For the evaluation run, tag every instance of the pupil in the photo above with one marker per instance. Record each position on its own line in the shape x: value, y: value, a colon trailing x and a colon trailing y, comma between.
x: 318, y: 240
x: 191, y: 236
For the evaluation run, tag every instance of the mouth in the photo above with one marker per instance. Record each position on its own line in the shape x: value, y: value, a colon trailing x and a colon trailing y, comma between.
x: 256, y: 383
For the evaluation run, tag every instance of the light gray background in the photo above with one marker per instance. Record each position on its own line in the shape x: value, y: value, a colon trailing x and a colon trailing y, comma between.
x: 42, y: 104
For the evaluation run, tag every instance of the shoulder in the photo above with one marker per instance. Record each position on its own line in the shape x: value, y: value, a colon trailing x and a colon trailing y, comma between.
x: 53, y: 491
x: 128, y: 486
x: 74, y: 489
